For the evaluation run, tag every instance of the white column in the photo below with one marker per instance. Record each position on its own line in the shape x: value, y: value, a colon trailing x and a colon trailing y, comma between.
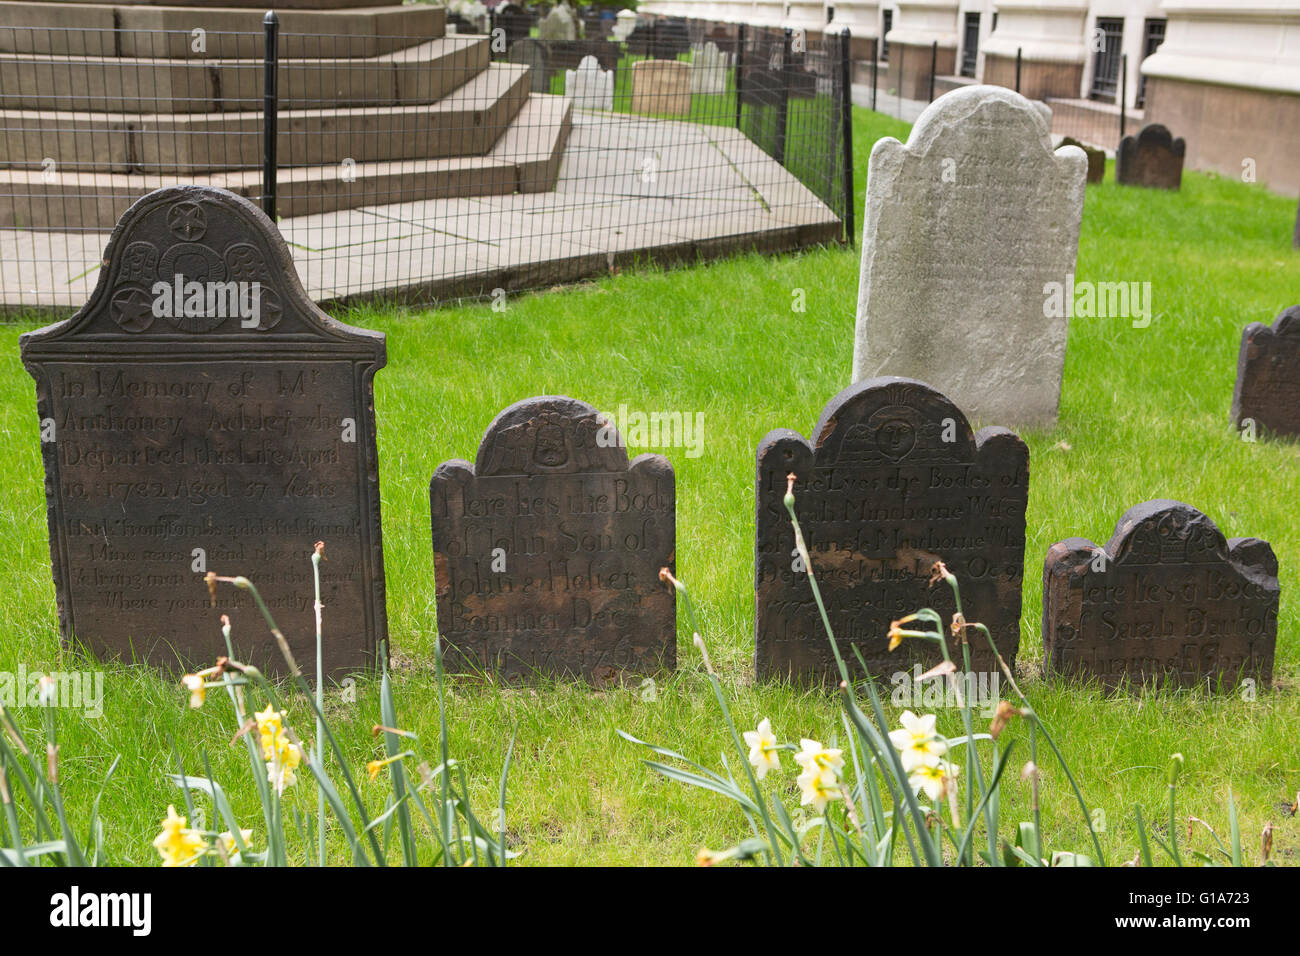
x: 1251, y: 43
x: 924, y: 22
x: 1050, y: 31
x: 862, y: 17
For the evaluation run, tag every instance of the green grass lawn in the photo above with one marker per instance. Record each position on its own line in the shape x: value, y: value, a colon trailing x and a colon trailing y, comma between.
x: 1144, y: 415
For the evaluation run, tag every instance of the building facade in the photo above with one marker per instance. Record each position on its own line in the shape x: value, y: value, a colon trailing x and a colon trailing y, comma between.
x: 1222, y: 74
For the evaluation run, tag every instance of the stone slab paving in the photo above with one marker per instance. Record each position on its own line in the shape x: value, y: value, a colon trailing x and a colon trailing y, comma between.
x: 629, y: 188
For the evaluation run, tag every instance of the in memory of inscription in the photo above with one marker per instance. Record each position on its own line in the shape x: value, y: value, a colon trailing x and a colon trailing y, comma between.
x: 547, y: 550
x: 965, y: 226
x: 1267, y: 394
x: 199, y: 414
x: 1167, y: 601
x: 892, y: 481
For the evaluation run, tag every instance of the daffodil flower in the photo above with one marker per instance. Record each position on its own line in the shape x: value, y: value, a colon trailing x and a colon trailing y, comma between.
x: 763, y: 752
x: 819, y: 787
x: 934, y: 778
x: 917, y: 742
x: 813, y: 756
x: 375, y: 766
x: 177, y: 844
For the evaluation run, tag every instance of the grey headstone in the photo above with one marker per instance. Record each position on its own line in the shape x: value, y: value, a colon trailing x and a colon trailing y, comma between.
x: 965, y: 227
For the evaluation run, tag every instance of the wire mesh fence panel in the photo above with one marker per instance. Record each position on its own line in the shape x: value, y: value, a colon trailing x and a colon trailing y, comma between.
x: 427, y: 163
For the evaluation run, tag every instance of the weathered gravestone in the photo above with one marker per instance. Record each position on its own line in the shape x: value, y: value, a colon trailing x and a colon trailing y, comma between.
x: 1167, y: 601
x: 532, y: 54
x: 709, y: 70
x: 589, y: 87
x: 892, y: 481
x: 1267, y: 393
x: 1096, y: 158
x: 199, y: 413
x: 560, y: 25
x: 661, y: 87
x: 547, y: 550
x: 1153, y: 159
x: 966, y: 227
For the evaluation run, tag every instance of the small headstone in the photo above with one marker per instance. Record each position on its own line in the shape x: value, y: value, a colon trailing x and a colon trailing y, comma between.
x: 661, y: 87
x: 559, y: 26
x: 892, y: 481
x: 624, y: 25
x: 590, y: 87
x: 1096, y: 158
x: 967, y: 228
x: 547, y: 550
x: 532, y: 54
x: 1153, y: 159
x: 200, y: 414
x: 1267, y: 394
x: 1167, y: 601
x: 709, y: 70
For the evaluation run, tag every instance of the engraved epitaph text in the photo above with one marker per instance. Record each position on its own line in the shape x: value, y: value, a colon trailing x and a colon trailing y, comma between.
x: 1167, y: 601
x: 892, y: 481
x: 199, y: 413
x: 547, y: 550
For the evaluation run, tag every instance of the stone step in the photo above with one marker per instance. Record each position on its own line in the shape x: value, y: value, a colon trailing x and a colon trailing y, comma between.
x: 167, y: 30
x: 467, y: 121
x: 526, y: 158
x: 416, y: 74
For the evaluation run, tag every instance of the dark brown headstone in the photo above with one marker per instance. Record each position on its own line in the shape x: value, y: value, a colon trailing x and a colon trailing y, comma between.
x: 1153, y: 158
x: 1268, y: 376
x: 246, y: 431
x: 892, y: 481
x: 547, y: 550
x: 1167, y: 601
x: 1096, y: 159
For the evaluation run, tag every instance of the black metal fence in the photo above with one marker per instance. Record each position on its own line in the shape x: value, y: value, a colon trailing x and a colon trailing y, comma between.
x: 425, y: 167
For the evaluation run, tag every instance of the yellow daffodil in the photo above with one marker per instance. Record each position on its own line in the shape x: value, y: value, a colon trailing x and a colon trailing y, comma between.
x: 813, y: 756
x: 229, y: 848
x: 282, y: 756
x: 177, y: 844
x: 819, y: 787
x: 917, y: 742
x: 763, y: 752
x: 934, y: 778
x: 375, y: 766
x: 197, y: 688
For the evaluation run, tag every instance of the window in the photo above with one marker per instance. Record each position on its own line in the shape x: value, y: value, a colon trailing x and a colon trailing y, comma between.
x: 1153, y: 34
x: 1106, y: 41
x: 884, y: 32
x: 970, y: 47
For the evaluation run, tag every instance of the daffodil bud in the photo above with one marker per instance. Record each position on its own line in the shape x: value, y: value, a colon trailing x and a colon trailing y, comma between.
x: 1175, y: 768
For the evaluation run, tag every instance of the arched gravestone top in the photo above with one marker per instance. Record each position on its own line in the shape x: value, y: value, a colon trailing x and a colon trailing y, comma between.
x: 892, y: 480
x: 1267, y: 391
x: 1153, y: 158
x: 547, y: 549
x: 965, y: 226
x: 1168, y: 600
x: 237, y: 424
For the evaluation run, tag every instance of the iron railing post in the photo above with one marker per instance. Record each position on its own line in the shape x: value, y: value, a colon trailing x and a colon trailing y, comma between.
x: 270, y: 108
x: 846, y: 118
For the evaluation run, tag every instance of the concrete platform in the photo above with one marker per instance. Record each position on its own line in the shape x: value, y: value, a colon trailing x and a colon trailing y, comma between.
x: 630, y: 190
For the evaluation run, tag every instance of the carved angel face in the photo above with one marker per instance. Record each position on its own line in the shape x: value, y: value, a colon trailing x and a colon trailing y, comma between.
x: 549, y: 446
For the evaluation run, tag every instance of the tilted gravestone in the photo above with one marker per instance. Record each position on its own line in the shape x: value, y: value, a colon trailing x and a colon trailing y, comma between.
x: 589, y: 87
x: 198, y: 414
x: 1096, y: 158
x: 1267, y: 394
x: 966, y: 227
x: 547, y: 549
x: 1153, y: 159
x: 532, y: 54
x: 560, y: 25
x: 661, y: 87
x: 1167, y: 601
x: 892, y: 481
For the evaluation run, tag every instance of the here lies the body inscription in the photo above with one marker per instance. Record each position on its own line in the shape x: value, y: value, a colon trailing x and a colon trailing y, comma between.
x: 892, y: 481
x: 1167, y: 601
x: 198, y: 414
x: 547, y: 550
